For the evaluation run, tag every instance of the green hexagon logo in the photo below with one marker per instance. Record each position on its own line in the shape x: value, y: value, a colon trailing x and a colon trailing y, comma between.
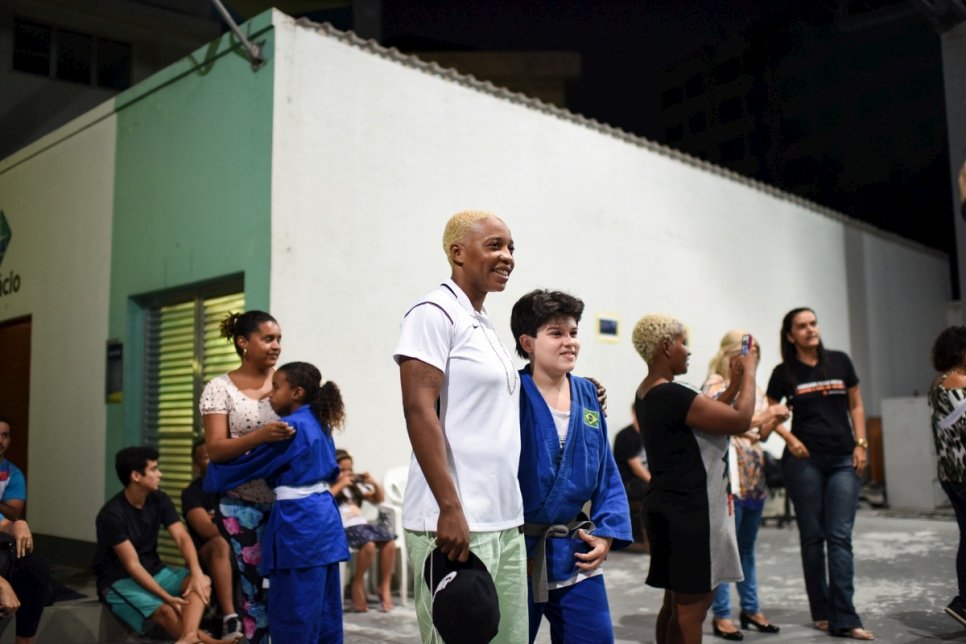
x: 5, y: 235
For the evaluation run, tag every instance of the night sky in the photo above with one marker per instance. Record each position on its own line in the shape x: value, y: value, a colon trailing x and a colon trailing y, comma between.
x: 887, y: 162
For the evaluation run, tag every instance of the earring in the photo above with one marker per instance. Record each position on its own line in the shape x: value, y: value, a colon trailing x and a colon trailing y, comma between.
x: 244, y: 353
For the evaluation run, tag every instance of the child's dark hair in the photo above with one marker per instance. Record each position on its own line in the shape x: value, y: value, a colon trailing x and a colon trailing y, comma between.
x: 242, y: 325
x: 325, y: 400
x: 133, y: 459
x: 538, y: 307
x: 949, y: 348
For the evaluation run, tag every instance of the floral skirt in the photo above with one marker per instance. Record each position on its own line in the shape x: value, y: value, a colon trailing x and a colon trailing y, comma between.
x: 360, y: 535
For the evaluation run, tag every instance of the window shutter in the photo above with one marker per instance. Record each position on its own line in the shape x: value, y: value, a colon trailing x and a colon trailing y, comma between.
x: 184, y: 350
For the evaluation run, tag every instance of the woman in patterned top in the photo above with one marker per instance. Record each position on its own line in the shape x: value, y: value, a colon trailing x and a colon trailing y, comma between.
x: 237, y: 418
x: 948, y: 400
x: 749, y: 489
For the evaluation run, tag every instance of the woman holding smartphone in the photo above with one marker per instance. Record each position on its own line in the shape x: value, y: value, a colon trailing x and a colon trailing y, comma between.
x: 749, y: 492
x: 824, y: 457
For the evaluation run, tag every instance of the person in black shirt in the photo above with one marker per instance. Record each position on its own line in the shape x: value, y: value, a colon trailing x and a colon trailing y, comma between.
x: 214, y: 552
x: 24, y: 579
x: 632, y: 466
x: 690, y: 523
x: 824, y: 457
x: 131, y: 579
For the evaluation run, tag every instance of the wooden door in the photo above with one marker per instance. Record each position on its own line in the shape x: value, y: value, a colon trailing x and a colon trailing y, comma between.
x: 15, y: 386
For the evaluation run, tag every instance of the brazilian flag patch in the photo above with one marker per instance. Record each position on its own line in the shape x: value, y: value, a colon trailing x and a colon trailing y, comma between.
x: 592, y: 419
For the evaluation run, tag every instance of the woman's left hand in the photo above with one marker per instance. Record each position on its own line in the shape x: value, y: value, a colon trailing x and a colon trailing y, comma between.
x: 599, y: 547
x: 601, y: 395
x: 859, y: 459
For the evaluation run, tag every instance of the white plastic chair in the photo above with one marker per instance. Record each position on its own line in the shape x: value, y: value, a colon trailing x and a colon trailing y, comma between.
x: 394, y: 486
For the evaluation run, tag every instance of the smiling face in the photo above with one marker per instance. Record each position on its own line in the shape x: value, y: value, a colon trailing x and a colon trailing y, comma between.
x: 483, y: 261
x: 804, y: 333
x: 262, y: 346
x: 554, y: 349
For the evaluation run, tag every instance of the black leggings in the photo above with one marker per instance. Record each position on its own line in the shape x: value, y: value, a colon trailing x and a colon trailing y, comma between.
x: 956, y: 491
x: 30, y: 579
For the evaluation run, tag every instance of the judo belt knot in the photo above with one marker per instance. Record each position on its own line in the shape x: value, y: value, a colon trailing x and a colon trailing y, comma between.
x: 542, y: 532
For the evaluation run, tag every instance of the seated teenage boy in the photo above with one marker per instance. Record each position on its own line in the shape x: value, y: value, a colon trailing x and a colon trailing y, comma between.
x: 130, y: 576
x: 24, y: 579
x: 198, y: 509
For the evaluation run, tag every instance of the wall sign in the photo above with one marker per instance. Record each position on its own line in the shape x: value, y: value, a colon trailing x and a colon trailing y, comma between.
x: 9, y: 283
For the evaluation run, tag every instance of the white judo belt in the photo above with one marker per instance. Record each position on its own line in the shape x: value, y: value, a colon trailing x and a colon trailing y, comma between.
x: 290, y: 492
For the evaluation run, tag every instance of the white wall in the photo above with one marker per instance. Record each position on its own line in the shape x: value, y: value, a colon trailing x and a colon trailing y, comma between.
x: 910, y: 455
x: 59, y: 206
x: 373, y: 154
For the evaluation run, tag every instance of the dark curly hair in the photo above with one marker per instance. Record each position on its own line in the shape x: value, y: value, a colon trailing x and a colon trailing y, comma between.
x: 949, y: 349
x: 242, y: 325
x: 324, y: 399
x: 538, y: 307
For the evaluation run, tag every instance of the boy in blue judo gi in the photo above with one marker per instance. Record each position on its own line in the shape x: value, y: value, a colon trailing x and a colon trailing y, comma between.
x: 303, y: 541
x: 565, y: 461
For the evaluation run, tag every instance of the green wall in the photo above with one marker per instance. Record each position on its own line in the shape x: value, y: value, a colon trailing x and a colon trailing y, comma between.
x: 192, y: 196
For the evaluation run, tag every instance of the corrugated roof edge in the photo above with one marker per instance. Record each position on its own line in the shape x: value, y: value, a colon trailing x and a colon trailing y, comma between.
x: 487, y: 87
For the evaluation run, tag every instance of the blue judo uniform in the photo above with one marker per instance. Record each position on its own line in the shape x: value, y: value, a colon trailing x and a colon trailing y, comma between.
x: 555, y: 484
x: 303, y: 541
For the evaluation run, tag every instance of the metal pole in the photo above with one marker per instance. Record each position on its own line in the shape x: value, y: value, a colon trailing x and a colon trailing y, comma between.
x: 254, y: 51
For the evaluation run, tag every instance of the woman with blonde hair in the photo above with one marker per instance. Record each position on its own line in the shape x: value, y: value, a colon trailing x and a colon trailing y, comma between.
x: 693, y: 545
x: 747, y: 460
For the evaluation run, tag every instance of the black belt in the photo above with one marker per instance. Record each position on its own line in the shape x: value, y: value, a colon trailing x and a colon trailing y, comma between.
x: 543, y: 532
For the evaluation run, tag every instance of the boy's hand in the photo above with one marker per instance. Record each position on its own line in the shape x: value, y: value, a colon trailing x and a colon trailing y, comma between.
x: 200, y: 585
x: 177, y: 603
x: 600, y: 547
x: 9, y: 602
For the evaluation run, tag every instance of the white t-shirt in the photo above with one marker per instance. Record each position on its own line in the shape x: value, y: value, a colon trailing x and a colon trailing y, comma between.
x: 479, y: 411
x: 221, y: 396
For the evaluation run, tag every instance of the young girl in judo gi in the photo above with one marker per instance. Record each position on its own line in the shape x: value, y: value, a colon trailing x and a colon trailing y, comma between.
x: 565, y: 461
x: 303, y: 541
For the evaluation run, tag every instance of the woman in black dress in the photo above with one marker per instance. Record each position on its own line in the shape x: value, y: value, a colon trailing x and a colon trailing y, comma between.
x: 690, y: 520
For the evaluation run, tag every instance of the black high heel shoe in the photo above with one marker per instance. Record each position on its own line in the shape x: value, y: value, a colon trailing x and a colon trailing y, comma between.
x: 734, y: 635
x: 747, y: 620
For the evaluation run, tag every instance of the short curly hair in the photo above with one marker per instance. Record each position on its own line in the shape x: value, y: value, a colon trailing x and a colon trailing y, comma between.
x: 458, y: 225
x: 651, y: 330
x: 949, y: 348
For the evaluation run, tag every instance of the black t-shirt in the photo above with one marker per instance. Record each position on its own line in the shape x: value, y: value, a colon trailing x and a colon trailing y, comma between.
x: 819, y: 400
x: 194, y: 496
x: 673, y: 456
x: 119, y: 521
x: 628, y: 444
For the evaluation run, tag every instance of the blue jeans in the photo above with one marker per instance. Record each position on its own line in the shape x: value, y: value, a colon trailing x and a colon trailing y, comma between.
x: 747, y: 522
x: 825, y: 491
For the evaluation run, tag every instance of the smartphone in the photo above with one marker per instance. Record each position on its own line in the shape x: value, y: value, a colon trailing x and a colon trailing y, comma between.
x: 746, y: 344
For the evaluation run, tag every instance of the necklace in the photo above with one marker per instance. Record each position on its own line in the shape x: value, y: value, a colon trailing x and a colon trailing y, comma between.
x: 511, y: 384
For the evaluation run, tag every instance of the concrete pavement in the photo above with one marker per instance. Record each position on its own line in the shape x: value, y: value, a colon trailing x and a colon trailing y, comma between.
x: 905, y: 575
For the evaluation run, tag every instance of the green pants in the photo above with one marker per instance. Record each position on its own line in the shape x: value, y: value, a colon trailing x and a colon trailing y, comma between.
x: 505, y: 555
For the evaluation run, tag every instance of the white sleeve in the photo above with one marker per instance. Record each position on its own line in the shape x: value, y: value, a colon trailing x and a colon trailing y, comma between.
x: 426, y: 335
x: 214, y: 398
